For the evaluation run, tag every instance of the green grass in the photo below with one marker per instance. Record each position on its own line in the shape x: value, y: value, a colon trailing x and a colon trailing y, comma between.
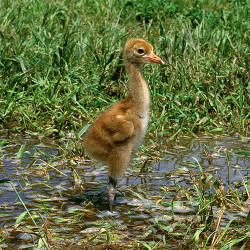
x: 60, y: 63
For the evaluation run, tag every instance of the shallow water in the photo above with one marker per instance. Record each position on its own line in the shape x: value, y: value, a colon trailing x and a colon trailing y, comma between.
x: 44, y: 180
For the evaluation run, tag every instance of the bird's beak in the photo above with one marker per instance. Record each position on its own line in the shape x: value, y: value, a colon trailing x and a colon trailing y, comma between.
x: 153, y: 58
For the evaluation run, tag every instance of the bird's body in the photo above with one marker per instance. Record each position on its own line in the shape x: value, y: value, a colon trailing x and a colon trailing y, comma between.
x: 118, y: 131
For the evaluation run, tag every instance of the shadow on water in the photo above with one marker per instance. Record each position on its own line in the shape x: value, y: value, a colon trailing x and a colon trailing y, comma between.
x: 155, y: 193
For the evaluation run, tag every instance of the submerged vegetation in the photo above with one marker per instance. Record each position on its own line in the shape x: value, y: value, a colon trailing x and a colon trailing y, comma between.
x: 61, y: 64
x: 182, y: 199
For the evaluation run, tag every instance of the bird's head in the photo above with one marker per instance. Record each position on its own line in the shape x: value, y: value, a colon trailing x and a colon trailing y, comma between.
x: 139, y: 51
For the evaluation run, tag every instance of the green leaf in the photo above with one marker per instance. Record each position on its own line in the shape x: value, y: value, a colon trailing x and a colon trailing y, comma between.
x: 216, y: 130
x: 248, y: 218
x: 245, y: 153
x: 197, y: 234
x: 4, y: 180
x: 20, y: 217
x: 3, y: 142
x: 50, y: 131
x: 41, y: 243
x: 146, y: 245
x: 21, y: 151
x: 234, y: 242
x: 83, y: 130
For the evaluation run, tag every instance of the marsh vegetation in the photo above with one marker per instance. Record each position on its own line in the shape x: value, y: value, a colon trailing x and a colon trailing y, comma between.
x: 61, y: 65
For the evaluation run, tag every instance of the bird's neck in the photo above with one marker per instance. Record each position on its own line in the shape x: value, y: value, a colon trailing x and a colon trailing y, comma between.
x: 138, y: 89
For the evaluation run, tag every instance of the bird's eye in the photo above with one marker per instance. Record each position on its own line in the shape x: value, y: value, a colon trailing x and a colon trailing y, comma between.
x: 140, y: 51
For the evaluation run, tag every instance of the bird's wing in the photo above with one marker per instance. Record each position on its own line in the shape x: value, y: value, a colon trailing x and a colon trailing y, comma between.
x: 119, y: 128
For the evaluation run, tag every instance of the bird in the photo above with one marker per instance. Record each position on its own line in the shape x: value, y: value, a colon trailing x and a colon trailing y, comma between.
x: 115, y: 135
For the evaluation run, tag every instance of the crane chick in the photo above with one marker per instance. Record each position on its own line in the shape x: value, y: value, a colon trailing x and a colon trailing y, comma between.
x: 118, y: 131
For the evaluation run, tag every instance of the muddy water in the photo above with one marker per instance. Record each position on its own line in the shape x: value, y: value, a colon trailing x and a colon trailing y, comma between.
x: 45, y: 182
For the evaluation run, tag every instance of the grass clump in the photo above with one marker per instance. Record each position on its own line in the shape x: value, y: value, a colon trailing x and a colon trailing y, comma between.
x: 61, y: 64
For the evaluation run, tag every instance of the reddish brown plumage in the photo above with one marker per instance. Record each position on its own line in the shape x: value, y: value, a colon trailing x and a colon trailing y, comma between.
x: 117, y: 132
x: 111, y: 139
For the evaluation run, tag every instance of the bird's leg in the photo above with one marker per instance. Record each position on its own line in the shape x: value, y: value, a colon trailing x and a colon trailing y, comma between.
x: 111, y: 188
